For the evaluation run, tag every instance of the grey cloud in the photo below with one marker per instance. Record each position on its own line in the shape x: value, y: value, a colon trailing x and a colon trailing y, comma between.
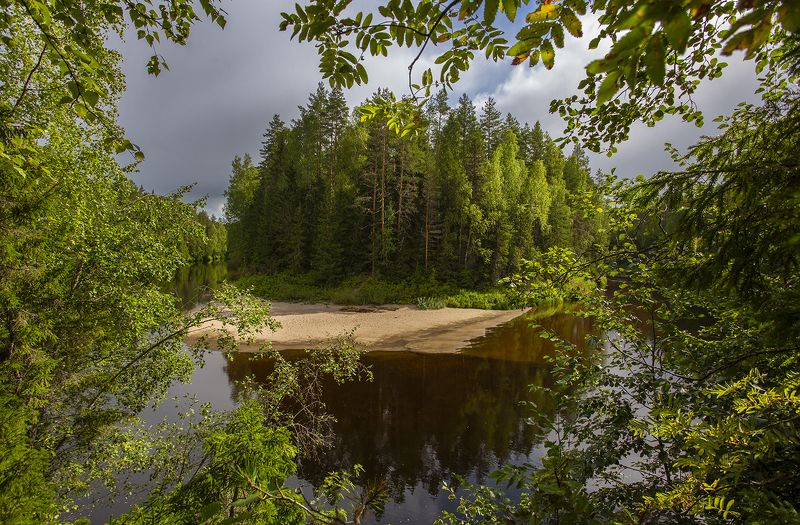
x: 216, y: 99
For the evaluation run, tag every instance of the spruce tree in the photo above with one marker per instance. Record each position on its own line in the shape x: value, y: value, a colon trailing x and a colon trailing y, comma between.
x: 491, y: 125
x: 537, y: 143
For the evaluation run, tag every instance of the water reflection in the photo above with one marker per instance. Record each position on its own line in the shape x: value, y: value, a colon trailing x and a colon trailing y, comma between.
x: 429, y: 417
x: 193, y: 284
x: 519, y: 339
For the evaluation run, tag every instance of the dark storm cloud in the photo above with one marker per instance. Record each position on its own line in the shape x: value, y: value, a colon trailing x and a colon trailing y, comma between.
x: 224, y: 86
x: 215, y: 101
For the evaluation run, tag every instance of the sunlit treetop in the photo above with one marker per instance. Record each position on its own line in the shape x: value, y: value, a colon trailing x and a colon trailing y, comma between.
x: 659, y: 51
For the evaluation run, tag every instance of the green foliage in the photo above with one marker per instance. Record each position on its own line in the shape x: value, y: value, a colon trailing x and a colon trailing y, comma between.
x: 212, y: 246
x: 88, y: 336
x: 466, y: 202
x: 424, y: 293
x: 240, y: 455
x: 658, y: 52
x: 686, y: 410
x: 430, y: 303
x: 25, y: 495
x: 69, y: 37
x: 491, y: 300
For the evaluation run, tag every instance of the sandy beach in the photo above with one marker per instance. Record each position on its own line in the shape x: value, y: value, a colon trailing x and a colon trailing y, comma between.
x: 384, y: 327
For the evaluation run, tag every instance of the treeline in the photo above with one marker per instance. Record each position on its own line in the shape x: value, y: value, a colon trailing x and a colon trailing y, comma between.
x: 213, y: 246
x: 467, y: 199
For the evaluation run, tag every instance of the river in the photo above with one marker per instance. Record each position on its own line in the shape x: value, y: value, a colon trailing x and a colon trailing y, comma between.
x: 425, y: 419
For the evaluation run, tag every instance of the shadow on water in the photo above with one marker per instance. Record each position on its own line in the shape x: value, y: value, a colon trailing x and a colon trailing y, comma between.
x: 428, y: 418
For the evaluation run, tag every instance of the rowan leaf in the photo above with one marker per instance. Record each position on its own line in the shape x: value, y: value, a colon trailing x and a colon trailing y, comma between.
x: 544, y: 13
x: 547, y: 54
x: 571, y: 22
x: 490, y: 8
x: 510, y: 8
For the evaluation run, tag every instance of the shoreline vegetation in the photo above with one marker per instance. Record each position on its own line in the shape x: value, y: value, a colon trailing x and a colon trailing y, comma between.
x: 424, y: 293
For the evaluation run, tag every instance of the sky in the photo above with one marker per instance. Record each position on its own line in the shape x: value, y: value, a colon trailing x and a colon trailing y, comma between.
x: 223, y: 87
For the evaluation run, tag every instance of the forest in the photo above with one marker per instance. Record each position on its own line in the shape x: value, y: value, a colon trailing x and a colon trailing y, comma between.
x: 682, y: 405
x: 465, y: 198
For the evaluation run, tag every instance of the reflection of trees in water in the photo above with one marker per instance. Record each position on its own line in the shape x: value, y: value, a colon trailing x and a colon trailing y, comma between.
x: 518, y: 339
x: 193, y: 284
x: 426, y: 417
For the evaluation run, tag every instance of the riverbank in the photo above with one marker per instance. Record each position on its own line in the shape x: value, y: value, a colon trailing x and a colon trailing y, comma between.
x: 383, y: 327
x: 426, y: 293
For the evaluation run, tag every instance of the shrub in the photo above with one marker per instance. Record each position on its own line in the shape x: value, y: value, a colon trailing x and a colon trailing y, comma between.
x: 430, y: 303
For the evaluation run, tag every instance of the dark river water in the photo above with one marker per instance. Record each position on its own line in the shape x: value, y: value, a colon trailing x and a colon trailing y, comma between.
x: 425, y: 419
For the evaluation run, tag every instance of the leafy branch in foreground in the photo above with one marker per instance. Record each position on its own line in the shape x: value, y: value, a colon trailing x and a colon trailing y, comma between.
x: 213, y: 467
x: 658, y: 52
x: 688, y: 409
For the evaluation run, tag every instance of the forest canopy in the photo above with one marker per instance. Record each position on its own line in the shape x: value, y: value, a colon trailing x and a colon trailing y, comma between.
x: 467, y: 199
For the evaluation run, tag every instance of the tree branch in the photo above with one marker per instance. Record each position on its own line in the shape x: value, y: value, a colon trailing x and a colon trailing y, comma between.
x: 30, y: 76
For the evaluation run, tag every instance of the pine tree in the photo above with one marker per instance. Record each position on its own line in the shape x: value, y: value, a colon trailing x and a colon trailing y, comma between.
x: 511, y: 124
x: 438, y: 110
x: 524, y: 144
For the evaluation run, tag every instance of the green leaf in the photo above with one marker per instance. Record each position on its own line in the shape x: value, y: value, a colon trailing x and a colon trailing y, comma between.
x: 252, y: 498
x: 544, y: 13
x: 547, y: 54
x: 678, y: 30
x: 210, y: 510
x: 608, y: 88
x: 510, y: 8
x: 237, y: 519
x: 558, y: 36
x: 535, y: 56
x: 72, y: 86
x: 520, y: 48
x: 596, y: 67
x: 654, y: 60
x: 631, y: 40
x: 490, y: 8
x: 571, y: 22
x: 92, y: 97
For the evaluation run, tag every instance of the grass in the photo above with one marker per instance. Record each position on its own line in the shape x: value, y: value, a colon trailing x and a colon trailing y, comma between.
x: 424, y: 293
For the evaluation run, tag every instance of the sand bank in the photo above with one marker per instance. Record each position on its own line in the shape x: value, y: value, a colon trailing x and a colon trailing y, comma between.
x: 386, y: 327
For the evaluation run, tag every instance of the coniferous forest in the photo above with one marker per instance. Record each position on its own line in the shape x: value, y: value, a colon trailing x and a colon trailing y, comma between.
x: 466, y: 198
